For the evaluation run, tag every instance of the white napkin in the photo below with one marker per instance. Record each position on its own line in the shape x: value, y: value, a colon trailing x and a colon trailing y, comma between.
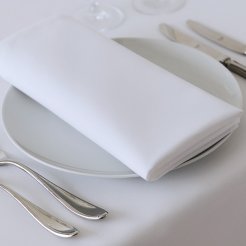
x: 146, y: 117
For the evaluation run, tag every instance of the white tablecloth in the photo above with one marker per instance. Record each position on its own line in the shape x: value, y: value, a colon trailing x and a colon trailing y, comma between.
x: 201, y: 204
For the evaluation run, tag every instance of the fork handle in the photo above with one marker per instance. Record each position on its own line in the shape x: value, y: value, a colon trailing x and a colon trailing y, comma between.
x: 75, y: 204
x: 235, y: 67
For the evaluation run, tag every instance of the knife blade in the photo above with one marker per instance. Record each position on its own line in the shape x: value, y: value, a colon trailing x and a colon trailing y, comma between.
x: 177, y: 36
x: 217, y: 37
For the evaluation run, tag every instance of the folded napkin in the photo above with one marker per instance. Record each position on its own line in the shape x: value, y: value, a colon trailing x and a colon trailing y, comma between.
x: 143, y: 115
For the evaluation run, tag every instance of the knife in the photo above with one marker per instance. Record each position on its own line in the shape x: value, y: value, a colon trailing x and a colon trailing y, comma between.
x: 217, y: 37
x: 177, y: 36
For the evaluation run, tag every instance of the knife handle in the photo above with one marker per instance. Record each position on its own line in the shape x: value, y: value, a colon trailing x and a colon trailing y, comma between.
x: 48, y: 221
x: 235, y: 67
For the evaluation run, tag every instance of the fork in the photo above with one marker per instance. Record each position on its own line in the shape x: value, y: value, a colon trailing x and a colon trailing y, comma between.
x: 75, y: 204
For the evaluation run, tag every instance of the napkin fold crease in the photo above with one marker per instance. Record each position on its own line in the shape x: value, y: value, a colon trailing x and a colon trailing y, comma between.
x: 148, y: 118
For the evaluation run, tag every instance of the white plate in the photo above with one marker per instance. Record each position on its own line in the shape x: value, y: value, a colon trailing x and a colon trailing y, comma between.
x: 51, y: 141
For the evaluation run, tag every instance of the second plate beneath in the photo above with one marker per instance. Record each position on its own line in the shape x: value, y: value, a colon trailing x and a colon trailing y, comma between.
x: 51, y: 141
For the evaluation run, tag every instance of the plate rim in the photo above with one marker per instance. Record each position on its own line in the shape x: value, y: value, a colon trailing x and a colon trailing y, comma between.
x: 93, y: 173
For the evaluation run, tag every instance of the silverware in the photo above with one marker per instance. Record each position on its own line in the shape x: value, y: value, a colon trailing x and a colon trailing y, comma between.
x: 75, y: 204
x: 204, y: 152
x: 217, y: 37
x: 177, y: 36
x: 51, y: 223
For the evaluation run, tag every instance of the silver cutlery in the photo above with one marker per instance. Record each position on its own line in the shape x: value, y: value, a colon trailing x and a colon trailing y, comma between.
x: 204, y: 152
x: 177, y: 36
x: 75, y: 204
x: 217, y: 37
x: 48, y: 221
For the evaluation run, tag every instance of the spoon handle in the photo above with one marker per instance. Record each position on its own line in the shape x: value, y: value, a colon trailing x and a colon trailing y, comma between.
x: 73, y: 203
x: 48, y: 221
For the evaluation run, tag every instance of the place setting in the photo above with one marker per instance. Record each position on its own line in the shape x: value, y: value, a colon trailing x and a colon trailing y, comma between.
x: 133, y: 108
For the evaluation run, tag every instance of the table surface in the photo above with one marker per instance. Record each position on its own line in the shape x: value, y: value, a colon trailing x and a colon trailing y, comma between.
x: 201, y: 204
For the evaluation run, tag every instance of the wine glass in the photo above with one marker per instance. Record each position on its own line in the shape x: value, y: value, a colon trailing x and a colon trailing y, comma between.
x: 100, y: 16
x: 153, y: 7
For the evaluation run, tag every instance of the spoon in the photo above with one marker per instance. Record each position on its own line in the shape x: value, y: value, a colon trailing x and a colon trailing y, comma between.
x: 48, y: 221
x: 75, y: 204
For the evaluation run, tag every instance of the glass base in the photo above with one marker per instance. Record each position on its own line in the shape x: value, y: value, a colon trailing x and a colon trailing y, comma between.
x: 153, y: 7
x: 100, y: 16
